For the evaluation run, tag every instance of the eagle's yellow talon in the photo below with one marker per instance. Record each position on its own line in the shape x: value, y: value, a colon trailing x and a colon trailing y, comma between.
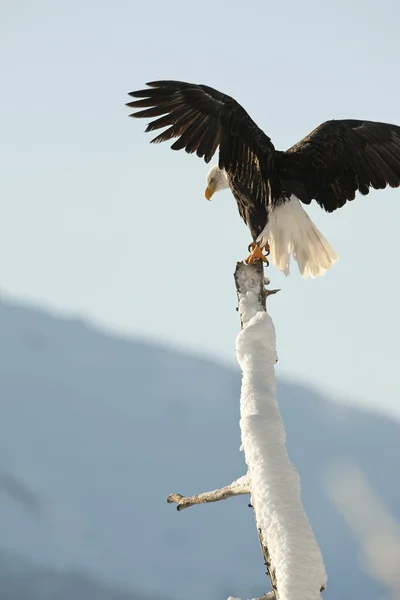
x: 256, y: 253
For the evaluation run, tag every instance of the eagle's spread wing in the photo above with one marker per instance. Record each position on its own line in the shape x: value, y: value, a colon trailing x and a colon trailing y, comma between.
x: 339, y: 158
x: 204, y: 119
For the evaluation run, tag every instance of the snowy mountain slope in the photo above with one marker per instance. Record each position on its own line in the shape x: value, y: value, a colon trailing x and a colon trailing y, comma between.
x: 97, y: 431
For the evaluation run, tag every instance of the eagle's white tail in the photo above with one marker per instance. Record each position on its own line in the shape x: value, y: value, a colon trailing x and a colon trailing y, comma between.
x: 290, y: 231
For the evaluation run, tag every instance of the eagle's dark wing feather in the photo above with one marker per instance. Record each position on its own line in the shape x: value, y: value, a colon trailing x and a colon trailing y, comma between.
x: 340, y: 158
x: 204, y: 119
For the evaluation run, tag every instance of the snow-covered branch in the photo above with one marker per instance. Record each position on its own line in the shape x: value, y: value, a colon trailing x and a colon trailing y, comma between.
x: 292, y: 555
x: 237, y: 488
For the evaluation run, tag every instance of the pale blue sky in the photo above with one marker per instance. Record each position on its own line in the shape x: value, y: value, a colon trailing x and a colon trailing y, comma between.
x: 96, y: 221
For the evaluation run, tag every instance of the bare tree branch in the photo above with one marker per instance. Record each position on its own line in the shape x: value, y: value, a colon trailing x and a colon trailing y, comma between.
x: 237, y: 488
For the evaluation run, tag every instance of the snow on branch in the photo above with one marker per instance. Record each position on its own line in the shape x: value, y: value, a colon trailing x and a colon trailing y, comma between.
x: 295, y: 562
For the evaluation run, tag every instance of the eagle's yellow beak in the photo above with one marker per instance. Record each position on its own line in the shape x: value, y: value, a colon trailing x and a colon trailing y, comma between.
x: 210, y: 189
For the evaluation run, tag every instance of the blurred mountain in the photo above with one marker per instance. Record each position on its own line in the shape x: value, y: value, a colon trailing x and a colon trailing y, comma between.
x: 21, y: 579
x: 96, y: 431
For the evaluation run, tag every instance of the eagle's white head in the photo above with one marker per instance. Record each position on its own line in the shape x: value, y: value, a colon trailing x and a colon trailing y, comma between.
x: 217, y: 180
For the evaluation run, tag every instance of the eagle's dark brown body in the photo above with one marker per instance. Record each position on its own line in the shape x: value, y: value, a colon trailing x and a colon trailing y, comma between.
x: 254, y: 214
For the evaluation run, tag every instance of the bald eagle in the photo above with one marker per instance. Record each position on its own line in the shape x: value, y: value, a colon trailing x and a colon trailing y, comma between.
x: 332, y: 163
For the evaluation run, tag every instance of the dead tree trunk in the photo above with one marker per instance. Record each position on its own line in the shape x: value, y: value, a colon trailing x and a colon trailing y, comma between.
x: 250, y: 278
x: 256, y: 354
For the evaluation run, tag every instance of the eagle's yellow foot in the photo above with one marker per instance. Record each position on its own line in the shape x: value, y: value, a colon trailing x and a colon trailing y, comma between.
x: 257, y: 253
